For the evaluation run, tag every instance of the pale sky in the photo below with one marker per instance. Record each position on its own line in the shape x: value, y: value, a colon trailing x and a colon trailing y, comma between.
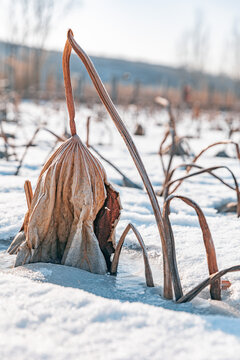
x: 149, y: 30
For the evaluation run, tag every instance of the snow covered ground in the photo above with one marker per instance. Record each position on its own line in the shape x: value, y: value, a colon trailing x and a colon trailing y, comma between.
x: 56, y: 312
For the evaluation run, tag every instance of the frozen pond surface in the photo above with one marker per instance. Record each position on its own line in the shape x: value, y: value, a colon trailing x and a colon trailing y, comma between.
x: 128, y: 285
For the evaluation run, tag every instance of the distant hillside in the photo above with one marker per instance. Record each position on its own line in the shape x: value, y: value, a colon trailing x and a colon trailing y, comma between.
x: 123, y: 70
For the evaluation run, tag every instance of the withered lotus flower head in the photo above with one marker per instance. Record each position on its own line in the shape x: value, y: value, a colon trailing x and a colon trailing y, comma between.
x: 74, y: 210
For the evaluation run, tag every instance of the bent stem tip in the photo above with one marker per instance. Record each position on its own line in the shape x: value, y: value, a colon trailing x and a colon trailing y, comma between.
x: 68, y: 86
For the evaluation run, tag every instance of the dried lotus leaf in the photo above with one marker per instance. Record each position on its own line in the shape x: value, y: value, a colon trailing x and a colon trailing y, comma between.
x: 70, y: 193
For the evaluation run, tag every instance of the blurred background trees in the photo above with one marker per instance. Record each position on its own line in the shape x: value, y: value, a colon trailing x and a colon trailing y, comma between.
x: 31, y: 71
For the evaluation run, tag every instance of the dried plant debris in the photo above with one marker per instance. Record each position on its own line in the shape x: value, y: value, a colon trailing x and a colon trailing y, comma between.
x: 189, y: 167
x: 208, y: 243
x: 171, y: 266
x: 229, y: 207
x: 74, y: 210
x: 125, y: 180
x: 166, y: 190
x: 114, y: 265
x: 139, y: 130
x: 222, y: 154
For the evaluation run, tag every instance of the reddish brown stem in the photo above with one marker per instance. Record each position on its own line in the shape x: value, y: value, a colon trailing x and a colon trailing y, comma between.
x: 126, y: 181
x: 68, y: 86
x: 106, y: 100
x: 161, y: 151
x: 208, y: 242
x: 114, y: 266
x: 209, y: 281
x: 226, y: 142
x: 209, y: 170
x: 25, y: 151
x: 200, y: 168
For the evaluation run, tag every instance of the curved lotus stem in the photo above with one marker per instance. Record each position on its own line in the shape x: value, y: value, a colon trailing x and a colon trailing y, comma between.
x: 209, y: 170
x: 126, y: 181
x: 225, y: 142
x: 172, y: 150
x: 59, y: 138
x: 208, y: 242
x: 210, y: 280
x: 201, y: 168
x: 106, y: 100
x: 114, y: 266
x: 68, y: 86
x: 160, y: 152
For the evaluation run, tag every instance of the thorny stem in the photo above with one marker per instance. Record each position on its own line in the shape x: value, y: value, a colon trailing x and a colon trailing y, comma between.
x: 114, y: 266
x: 106, y: 100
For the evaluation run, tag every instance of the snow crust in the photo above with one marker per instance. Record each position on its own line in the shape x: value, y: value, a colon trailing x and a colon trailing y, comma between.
x: 58, y: 312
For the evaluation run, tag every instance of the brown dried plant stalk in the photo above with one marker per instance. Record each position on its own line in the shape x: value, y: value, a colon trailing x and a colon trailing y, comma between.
x: 132, y: 150
x: 208, y: 243
x: 209, y: 281
x: 225, y: 142
x: 209, y: 171
x: 31, y: 141
x: 114, y: 266
x: 175, y: 147
x: 214, y: 275
x: 125, y: 180
x: 26, y: 150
